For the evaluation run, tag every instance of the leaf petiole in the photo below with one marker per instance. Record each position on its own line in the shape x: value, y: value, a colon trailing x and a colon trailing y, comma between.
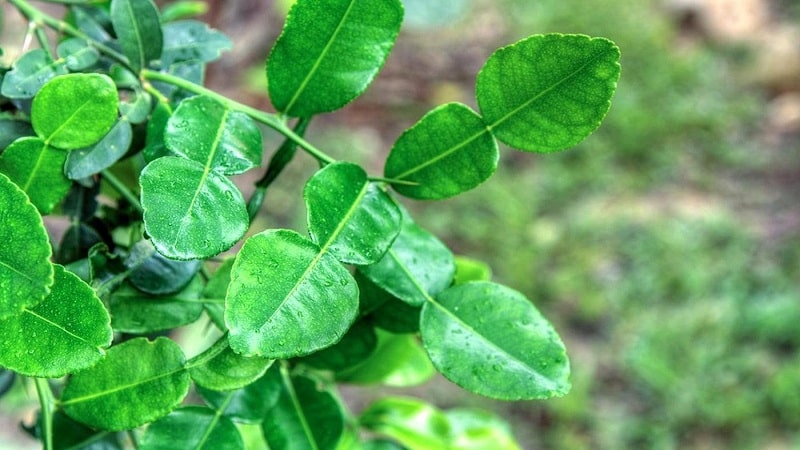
x: 46, y: 402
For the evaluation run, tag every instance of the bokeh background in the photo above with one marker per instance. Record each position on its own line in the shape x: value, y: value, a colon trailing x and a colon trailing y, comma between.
x: 665, y: 248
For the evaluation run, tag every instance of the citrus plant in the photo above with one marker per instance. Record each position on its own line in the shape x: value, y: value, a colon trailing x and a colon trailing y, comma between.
x: 364, y: 295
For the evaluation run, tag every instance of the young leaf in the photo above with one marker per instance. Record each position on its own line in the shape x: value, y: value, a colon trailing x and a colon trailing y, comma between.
x: 287, y: 297
x: 152, y: 373
x: 38, y: 169
x: 76, y: 110
x: 192, y: 427
x: 135, y: 312
x: 30, y: 73
x: 228, y: 370
x: 204, y: 130
x: 49, y: 339
x: 416, y: 266
x: 112, y: 147
x: 306, y: 416
x: 329, y: 52
x: 489, y: 339
x: 138, y: 28
x: 411, y: 422
x: 77, y: 54
x: 191, y: 211
x: 190, y: 40
x: 250, y: 403
x: 398, y: 361
x: 548, y: 92
x: 449, y: 151
x: 351, y: 217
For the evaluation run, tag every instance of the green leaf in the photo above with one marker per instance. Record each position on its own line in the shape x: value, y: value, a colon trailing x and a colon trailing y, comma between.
x: 250, y: 403
x: 30, y: 73
x: 190, y: 40
x: 489, y: 339
x: 356, y: 346
x: 396, y: 316
x: 214, y: 295
x: 548, y: 92
x: 133, y: 311
x: 77, y: 54
x: 157, y: 275
x: 138, y: 29
x: 191, y: 211
x: 204, y: 130
x: 227, y: 370
x: 72, y: 435
x: 398, y: 361
x: 468, y: 269
x: 49, y: 339
x: 287, y: 297
x: 474, y: 429
x: 38, y: 169
x: 192, y: 427
x: 12, y: 129
x: 411, y: 422
x: 112, y: 147
x: 152, y: 373
x: 76, y: 110
x: 137, y: 107
x: 351, y: 217
x: 417, y: 266
x: 306, y: 416
x: 329, y: 52
x: 449, y: 151
x: 154, y: 141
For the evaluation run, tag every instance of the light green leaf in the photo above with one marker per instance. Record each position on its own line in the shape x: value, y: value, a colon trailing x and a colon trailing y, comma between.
x: 227, y: 370
x: 192, y: 428
x: 398, y: 361
x: 138, y: 29
x: 191, y: 40
x: 449, y: 151
x: 88, y: 161
x: 250, y: 403
x: 306, y: 416
x: 191, y: 211
x: 38, y: 169
x: 351, y: 217
x: 49, y: 339
x: 287, y: 297
x: 548, y: 92
x: 469, y: 269
x: 133, y: 311
x: 138, y: 382
x: 77, y: 54
x: 411, y: 422
x: 329, y: 52
x: 474, y: 429
x: 204, y: 130
x: 76, y: 110
x: 491, y: 340
x: 416, y: 266
x: 30, y: 73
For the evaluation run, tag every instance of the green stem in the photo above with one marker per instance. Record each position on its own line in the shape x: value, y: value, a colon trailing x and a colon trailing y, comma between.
x: 44, y: 42
x: 120, y: 187
x: 270, y: 120
x: 46, y: 403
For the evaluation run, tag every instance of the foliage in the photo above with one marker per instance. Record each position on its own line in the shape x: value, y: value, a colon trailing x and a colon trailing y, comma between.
x: 121, y: 98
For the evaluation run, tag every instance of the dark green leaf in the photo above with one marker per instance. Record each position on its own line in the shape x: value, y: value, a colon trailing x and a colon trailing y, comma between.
x: 154, y: 142
x: 190, y: 211
x: 30, y: 73
x: 138, y: 28
x: 72, y: 435
x: 287, y: 297
x: 306, y: 416
x: 12, y: 129
x: 152, y: 373
x: 38, y: 169
x: 548, y: 92
x: 77, y: 54
x: 329, y: 53
x: 95, y: 22
x: 351, y: 217
x: 88, y: 161
x: 449, y: 151
x: 250, y: 403
x: 76, y: 110
x: 399, y: 361
x: 411, y: 422
x: 491, y: 340
x: 135, y: 312
x: 49, y: 339
x: 357, y: 345
x: 204, y: 130
x: 158, y: 275
x: 228, y: 370
x: 76, y: 242
x: 192, y: 428
x: 397, y: 316
x: 190, y: 40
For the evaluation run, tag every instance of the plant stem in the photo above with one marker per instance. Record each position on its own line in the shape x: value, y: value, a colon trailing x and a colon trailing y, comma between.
x: 120, y: 187
x: 46, y: 403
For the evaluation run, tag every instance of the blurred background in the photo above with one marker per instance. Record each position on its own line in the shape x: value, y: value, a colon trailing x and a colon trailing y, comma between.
x: 665, y: 248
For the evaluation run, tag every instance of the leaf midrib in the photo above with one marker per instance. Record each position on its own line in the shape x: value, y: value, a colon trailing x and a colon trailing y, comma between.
x: 137, y: 32
x: 63, y: 329
x: 120, y: 388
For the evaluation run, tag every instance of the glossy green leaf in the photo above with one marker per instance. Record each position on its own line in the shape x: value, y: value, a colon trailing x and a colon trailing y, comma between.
x: 449, y: 151
x: 11, y: 129
x: 411, y: 422
x: 133, y: 311
x: 469, y: 269
x: 25, y: 270
x: 474, y: 429
x: 416, y: 266
x: 77, y: 54
x: 138, y: 382
x: 357, y: 345
x: 204, y: 130
x: 287, y: 297
x: 157, y: 275
x: 548, y: 92
x: 30, y: 73
x: 227, y: 370
x: 190, y: 40
x: 250, y: 403
x: 38, y: 169
x: 351, y: 217
x: 192, y: 428
x: 306, y: 416
x: 112, y: 147
x: 49, y: 339
x: 76, y: 110
x: 490, y: 339
x: 329, y: 52
x: 190, y: 211
x: 138, y: 28
x: 399, y: 361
